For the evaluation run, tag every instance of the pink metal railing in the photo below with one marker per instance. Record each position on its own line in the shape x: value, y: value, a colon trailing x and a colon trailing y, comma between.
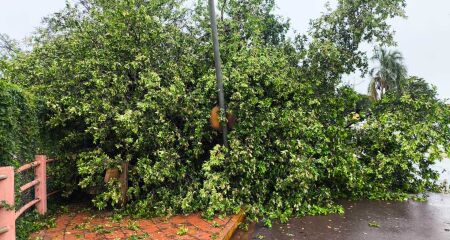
x: 8, y: 215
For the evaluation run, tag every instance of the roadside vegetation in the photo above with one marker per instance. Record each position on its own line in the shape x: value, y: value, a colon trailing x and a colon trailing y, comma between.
x: 133, y: 82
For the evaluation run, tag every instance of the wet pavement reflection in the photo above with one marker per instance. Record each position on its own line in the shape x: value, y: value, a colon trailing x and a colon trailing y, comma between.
x: 367, y: 220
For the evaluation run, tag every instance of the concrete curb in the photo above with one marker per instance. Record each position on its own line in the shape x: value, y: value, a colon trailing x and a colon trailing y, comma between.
x: 228, y: 232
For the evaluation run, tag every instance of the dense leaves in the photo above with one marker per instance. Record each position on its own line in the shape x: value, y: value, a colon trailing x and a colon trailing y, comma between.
x: 133, y: 81
x: 18, y: 125
x: 403, y: 138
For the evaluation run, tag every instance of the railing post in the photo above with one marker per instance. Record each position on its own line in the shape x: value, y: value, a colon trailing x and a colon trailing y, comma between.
x: 7, y: 213
x: 40, y: 190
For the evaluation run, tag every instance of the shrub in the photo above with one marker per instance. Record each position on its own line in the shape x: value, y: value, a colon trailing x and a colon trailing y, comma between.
x: 18, y: 125
x: 403, y: 138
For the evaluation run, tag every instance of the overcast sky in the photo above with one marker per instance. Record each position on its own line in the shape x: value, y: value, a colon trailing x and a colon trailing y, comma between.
x: 423, y: 38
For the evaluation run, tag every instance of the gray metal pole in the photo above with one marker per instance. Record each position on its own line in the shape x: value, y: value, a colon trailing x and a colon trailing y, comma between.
x: 215, y: 38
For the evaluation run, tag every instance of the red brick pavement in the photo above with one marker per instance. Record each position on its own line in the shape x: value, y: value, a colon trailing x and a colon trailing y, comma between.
x: 89, y: 225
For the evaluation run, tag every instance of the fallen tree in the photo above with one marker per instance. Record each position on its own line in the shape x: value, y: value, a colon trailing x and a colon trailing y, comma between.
x: 133, y: 82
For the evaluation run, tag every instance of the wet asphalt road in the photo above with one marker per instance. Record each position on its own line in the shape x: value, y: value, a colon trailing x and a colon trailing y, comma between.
x: 390, y: 220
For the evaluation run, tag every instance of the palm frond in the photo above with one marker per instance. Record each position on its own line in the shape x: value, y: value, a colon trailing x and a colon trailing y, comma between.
x: 391, y: 72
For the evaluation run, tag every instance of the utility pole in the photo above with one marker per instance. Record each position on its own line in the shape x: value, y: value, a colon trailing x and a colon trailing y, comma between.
x: 215, y: 38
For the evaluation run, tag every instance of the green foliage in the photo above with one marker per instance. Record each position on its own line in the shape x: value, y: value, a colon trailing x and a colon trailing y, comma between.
x: 22, y: 136
x: 32, y: 222
x: 374, y: 224
x: 18, y: 125
x: 133, y: 81
x: 356, y: 21
x: 403, y: 139
x: 182, y: 231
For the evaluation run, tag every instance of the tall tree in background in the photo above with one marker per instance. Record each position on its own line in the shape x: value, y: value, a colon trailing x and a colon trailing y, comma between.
x: 389, y: 75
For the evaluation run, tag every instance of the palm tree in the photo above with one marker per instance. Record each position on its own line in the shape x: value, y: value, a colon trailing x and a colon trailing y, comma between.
x: 389, y: 75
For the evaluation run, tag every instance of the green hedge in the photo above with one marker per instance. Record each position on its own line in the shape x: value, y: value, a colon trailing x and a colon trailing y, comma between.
x: 19, y: 136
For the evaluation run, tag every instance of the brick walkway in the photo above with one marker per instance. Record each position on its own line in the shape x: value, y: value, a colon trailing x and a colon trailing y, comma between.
x: 88, y: 225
